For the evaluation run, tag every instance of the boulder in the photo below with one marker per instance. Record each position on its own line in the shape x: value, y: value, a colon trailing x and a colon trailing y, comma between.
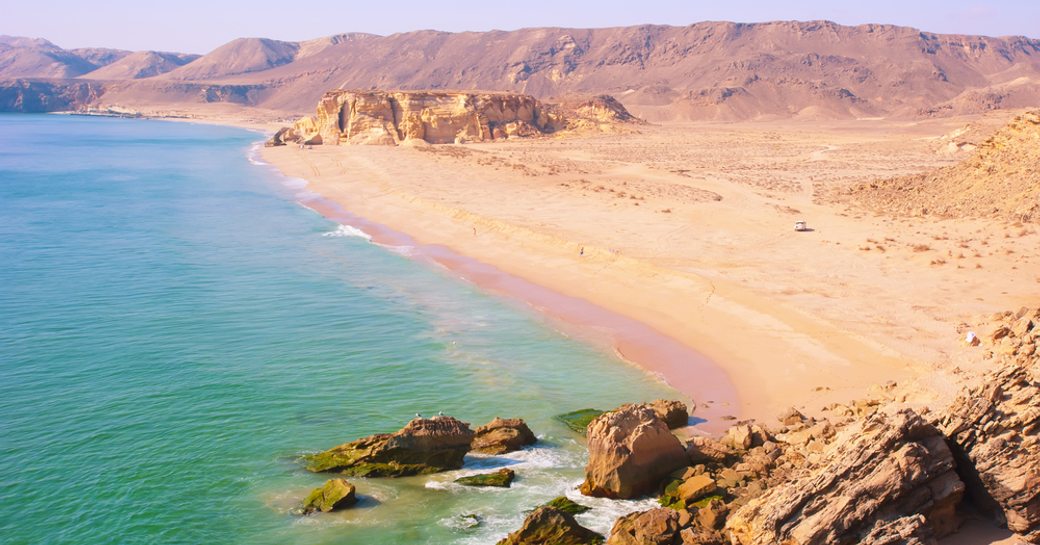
x: 994, y: 429
x: 334, y: 494
x: 579, y: 420
x: 658, y: 526
x: 674, y: 413
x: 631, y: 451
x: 502, y: 478
x: 502, y: 435
x: 550, y: 526
x: 424, y: 445
x: 708, y: 451
x: 695, y: 488
x: 879, y: 469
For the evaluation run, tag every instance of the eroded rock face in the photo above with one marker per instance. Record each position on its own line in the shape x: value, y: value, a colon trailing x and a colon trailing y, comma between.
x: 333, y: 495
x: 995, y: 431
x: 424, y: 445
x: 654, y: 527
x: 875, y: 471
x: 503, y: 435
x: 548, y: 525
x: 631, y: 451
x: 437, y: 117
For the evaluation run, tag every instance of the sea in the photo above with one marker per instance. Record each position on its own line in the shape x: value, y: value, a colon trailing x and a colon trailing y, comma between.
x: 177, y: 328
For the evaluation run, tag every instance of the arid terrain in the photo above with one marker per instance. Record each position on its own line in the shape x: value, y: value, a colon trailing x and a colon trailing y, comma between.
x: 704, y: 71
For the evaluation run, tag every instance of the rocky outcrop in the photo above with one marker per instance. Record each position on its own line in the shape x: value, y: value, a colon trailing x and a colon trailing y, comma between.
x: 631, y: 451
x: 548, y: 525
x: 994, y: 429
x: 446, y: 117
x: 334, y: 494
x: 502, y: 435
x: 502, y: 478
x: 654, y: 527
x: 675, y: 414
x: 425, y: 445
x: 875, y: 471
x: 436, y: 117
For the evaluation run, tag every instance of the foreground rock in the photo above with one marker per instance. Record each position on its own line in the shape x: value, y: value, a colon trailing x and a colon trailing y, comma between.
x: 502, y: 478
x: 333, y: 495
x: 631, y: 451
x: 502, y: 435
x: 995, y: 431
x: 653, y: 527
x: 424, y: 445
x: 550, y: 526
x: 876, y: 471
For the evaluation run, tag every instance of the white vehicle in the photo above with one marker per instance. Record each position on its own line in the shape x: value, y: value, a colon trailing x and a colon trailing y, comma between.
x: 800, y: 226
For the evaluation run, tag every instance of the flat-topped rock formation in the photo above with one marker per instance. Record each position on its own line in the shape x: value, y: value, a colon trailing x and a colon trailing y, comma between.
x: 444, y: 117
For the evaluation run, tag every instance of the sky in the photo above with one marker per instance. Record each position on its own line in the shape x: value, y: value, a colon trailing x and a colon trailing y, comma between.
x: 198, y: 26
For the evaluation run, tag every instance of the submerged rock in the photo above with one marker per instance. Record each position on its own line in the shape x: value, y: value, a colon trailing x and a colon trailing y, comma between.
x: 502, y: 478
x: 875, y: 471
x: 580, y: 419
x: 563, y: 503
x: 631, y: 451
x: 333, y: 495
x: 502, y: 435
x: 424, y: 445
x: 551, y: 526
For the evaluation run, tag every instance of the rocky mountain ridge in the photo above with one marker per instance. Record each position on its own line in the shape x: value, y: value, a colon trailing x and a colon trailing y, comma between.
x: 710, y: 70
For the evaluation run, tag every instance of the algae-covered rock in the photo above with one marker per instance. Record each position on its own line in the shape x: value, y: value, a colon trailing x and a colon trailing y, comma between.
x: 548, y: 525
x: 580, y: 419
x: 502, y: 435
x: 563, y: 503
x: 334, y: 494
x: 425, y: 445
x: 501, y: 478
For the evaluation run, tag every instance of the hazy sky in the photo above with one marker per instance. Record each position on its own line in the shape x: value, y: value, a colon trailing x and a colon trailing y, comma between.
x: 197, y: 26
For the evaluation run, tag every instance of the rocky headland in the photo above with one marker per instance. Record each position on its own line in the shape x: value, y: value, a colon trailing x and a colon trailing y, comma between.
x: 444, y: 117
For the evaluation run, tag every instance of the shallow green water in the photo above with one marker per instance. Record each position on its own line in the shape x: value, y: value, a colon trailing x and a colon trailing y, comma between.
x: 175, y: 330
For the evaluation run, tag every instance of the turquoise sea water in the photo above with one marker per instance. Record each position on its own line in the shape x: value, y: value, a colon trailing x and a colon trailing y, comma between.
x: 175, y: 330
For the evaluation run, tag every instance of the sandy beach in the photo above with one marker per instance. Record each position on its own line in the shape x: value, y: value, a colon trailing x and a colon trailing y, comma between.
x: 688, y: 228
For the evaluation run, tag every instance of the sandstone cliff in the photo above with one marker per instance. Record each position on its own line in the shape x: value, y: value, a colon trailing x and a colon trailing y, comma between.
x: 444, y: 117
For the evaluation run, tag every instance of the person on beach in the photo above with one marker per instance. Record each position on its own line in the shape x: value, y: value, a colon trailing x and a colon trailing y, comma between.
x: 581, y: 251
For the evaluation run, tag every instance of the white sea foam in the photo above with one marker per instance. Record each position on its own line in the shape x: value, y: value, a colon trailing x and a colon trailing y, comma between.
x: 348, y: 231
x: 294, y: 183
x: 254, y: 154
x: 404, y: 250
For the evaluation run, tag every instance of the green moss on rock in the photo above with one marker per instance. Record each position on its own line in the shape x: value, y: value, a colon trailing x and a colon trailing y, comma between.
x: 579, y: 420
x: 501, y: 478
x: 563, y: 503
x: 334, y: 494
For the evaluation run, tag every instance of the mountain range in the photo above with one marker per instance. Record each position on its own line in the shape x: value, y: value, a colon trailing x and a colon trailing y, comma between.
x: 710, y: 70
